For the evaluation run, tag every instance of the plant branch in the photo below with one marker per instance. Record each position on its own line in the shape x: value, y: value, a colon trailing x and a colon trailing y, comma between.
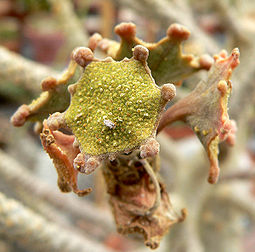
x: 32, y: 232
x: 240, y: 175
x: 69, y: 23
x: 18, y: 71
x: 231, y: 22
x: 241, y: 201
x: 14, y: 174
x: 166, y: 13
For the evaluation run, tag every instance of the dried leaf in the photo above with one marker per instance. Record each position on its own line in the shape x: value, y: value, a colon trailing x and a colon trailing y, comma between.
x: 60, y: 148
x: 131, y: 194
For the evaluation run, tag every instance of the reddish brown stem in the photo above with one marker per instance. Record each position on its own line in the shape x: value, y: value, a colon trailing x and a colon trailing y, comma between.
x: 177, y: 112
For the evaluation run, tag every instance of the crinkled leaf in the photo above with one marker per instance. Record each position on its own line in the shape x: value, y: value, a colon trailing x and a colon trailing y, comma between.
x: 131, y: 194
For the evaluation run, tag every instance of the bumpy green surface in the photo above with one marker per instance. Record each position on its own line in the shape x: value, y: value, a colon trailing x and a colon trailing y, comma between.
x: 122, y: 92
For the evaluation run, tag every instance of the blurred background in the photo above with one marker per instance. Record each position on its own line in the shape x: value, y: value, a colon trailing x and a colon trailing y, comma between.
x: 36, y: 39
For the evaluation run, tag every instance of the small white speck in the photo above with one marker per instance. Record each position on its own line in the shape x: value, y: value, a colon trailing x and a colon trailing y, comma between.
x: 109, y: 124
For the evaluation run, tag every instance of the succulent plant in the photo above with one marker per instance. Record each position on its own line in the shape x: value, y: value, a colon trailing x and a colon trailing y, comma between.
x: 111, y: 115
x: 115, y: 108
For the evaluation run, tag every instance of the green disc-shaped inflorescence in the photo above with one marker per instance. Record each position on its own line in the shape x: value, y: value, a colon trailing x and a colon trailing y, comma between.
x: 115, y: 107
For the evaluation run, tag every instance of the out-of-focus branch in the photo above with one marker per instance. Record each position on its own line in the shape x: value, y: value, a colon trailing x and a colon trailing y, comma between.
x: 241, y: 175
x: 18, y: 71
x: 69, y: 23
x: 32, y: 232
x: 108, y: 16
x: 166, y: 13
x: 237, y: 199
x: 5, y: 246
x: 243, y: 95
x: 14, y: 174
x: 231, y: 22
x: 169, y: 152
